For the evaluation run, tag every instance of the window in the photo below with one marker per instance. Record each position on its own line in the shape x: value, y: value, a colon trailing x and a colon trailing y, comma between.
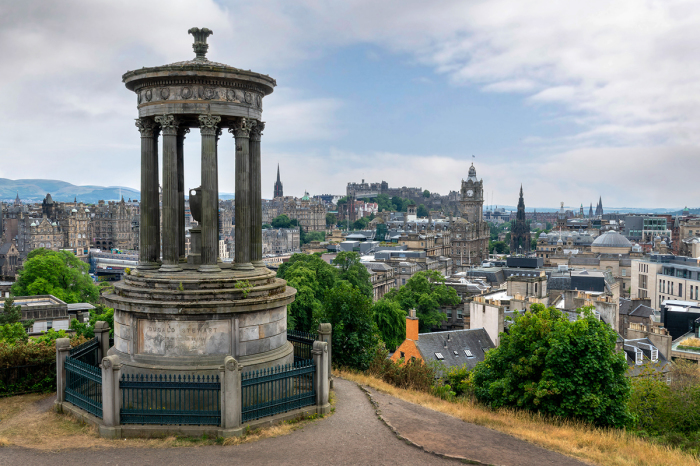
x: 439, y: 356
x: 403, y: 355
x: 468, y: 353
x: 456, y: 353
x: 638, y: 357
x: 680, y: 289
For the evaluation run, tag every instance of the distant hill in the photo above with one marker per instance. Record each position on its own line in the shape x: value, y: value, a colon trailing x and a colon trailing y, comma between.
x: 61, y: 191
x: 31, y: 191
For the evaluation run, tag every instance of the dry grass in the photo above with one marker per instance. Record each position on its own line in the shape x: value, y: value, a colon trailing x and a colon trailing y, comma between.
x: 27, y: 421
x: 694, y: 342
x: 600, y: 446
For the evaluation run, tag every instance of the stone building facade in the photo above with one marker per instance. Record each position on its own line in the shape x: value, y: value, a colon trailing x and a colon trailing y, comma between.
x: 470, y: 234
x: 45, y: 234
x: 280, y: 241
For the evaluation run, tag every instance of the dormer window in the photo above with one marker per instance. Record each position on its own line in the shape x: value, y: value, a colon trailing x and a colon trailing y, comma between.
x: 638, y: 357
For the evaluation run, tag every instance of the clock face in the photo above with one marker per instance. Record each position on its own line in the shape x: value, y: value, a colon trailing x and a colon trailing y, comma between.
x: 470, y: 193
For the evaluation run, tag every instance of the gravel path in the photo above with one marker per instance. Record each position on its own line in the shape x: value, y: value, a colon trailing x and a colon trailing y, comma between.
x: 443, y: 434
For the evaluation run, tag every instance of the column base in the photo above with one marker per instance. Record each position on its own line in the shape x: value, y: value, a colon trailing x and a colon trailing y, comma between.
x: 209, y: 268
x: 259, y: 264
x: 243, y: 266
x: 148, y: 266
x: 170, y: 268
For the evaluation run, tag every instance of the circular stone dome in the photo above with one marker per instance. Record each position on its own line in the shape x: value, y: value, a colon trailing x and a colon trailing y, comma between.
x: 611, y: 239
x: 543, y: 235
x: 74, y: 210
x: 560, y: 241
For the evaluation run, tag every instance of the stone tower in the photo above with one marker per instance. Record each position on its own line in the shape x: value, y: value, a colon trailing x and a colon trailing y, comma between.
x: 278, y: 184
x: 520, y: 231
x: 472, y: 203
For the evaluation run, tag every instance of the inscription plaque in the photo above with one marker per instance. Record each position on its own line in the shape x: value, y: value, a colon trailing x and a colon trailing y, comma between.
x: 180, y: 338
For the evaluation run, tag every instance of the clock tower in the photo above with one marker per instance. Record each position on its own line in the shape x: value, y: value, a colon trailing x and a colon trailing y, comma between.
x: 472, y: 198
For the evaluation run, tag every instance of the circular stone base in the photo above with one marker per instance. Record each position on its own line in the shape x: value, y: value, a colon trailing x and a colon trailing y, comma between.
x: 189, y: 321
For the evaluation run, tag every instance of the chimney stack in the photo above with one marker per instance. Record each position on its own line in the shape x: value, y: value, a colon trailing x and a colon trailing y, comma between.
x: 412, y: 325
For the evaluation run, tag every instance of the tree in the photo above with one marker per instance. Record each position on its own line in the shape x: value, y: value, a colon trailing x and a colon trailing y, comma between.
x: 352, y: 270
x: 355, y: 336
x: 281, y: 221
x: 57, y: 273
x: 550, y: 365
x: 12, y: 314
x: 498, y: 247
x: 383, y: 203
x: 266, y: 226
x: 331, y: 219
x: 422, y: 211
x: 100, y: 313
x: 391, y: 322
x: 311, y: 236
x: 427, y: 293
x: 361, y: 223
x: 533, y: 244
x: 312, y: 277
x: 426, y: 193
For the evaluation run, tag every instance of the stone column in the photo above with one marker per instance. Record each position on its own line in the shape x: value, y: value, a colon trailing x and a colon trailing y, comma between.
x: 149, y: 224
x: 102, y: 335
x: 320, y: 355
x: 256, y: 195
x: 231, y: 397
x: 171, y: 237
x: 181, y: 191
x: 62, y: 351
x: 111, y: 370
x: 208, y: 125
x: 242, y: 134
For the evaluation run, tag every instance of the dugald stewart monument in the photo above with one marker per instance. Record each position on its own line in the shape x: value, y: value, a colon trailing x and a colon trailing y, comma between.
x: 179, y: 314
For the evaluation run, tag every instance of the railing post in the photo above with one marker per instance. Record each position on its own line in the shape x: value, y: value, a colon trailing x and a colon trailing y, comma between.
x: 102, y: 335
x: 231, y: 404
x: 111, y: 371
x: 320, y: 354
x: 62, y: 351
x: 325, y: 333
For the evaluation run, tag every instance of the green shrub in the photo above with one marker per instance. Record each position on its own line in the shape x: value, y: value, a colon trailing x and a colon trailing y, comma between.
x: 12, y: 333
x: 413, y: 374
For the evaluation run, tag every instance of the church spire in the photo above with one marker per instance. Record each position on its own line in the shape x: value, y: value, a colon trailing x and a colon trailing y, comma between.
x: 278, y: 172
x: 278, y: 192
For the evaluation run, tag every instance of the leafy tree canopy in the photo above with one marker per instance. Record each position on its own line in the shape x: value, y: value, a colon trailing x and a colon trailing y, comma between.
x: 352, y: 270
x: 426, y: 193
x: 391, y: 322
x: 57, y: 273
x: 361, y: 223
x: 422, y: 211
x: 355, y: 335
x: 100, y: 313
x: 331, y: 219
x: 425, y: 292
x: 551, y: 365
x: 282, y: 221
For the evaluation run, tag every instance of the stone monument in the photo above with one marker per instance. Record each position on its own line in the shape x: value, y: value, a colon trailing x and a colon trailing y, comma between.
x: 176, y: 313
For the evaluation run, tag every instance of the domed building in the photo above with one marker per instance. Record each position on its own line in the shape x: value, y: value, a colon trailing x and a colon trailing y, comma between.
x: 611, y: 242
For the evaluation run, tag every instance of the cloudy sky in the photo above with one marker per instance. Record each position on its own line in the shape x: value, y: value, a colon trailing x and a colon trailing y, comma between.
x: 574, y: 100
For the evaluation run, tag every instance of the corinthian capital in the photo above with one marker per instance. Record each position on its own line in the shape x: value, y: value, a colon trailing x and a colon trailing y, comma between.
x: 256, y: 132
x: 242, y: 128
x: 146, y: 127
x: 168, y: 123
x: 208, y: 124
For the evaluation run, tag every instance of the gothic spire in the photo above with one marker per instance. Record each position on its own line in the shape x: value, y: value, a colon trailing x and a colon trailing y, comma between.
x: 278, y: 172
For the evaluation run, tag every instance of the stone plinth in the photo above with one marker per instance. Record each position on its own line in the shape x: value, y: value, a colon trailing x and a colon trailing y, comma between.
x: 189, y: 321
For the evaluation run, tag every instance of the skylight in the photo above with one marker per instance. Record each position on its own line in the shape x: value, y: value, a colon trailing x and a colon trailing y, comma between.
x: 468, y: 353
x: 439, y: 356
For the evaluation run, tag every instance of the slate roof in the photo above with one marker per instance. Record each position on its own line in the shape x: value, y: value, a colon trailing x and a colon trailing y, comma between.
x: 559, y: 283
x: 629, y: 347
x: 642, y: 311
x: 475, y: 340
x: 5, y: 248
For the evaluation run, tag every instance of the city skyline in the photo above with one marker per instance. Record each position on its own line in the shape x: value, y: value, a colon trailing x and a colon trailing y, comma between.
x: 401, y: 92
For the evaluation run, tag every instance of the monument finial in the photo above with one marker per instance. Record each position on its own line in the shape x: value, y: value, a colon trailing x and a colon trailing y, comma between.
x: 200, y: 45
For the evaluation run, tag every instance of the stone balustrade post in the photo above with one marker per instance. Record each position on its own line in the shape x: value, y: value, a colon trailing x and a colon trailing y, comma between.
x: 102, y: 335
x: 111, y: 372
x: 62, y: 351
x: 230, y: 376
x: 325, y: 333
x: 320, y: 355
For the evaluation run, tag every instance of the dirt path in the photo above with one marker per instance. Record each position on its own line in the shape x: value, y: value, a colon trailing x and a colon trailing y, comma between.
x: 440, y: 433
x: 353, y: 435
